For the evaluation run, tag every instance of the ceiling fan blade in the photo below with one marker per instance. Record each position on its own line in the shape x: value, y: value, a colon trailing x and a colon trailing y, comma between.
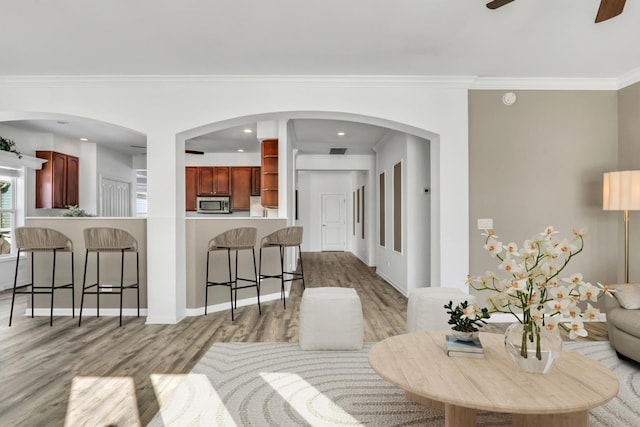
x: 193, y: 152
x: 497, y: 3
x: 609, y: 9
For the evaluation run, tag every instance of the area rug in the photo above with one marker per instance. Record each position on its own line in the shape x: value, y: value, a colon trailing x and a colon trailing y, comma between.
x: 277, y: 384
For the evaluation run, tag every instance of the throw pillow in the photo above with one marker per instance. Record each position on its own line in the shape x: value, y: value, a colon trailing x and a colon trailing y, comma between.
x: 628, y: 296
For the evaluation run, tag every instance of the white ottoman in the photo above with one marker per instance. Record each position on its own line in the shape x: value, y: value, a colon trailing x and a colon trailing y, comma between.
x: 330, y: 319
x: 426, y: 312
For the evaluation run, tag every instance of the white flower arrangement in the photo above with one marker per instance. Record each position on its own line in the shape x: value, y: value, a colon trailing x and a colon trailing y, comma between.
x: 533, y: 291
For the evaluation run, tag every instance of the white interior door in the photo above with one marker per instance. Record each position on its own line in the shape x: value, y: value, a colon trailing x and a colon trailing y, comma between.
x: 115, y: 199
x: 333, y: 222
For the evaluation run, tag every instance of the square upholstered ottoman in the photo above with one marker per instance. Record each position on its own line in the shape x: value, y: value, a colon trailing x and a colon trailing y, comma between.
x: 330, y: 319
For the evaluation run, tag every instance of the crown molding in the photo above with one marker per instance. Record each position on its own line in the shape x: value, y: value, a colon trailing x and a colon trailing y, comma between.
x: 463, y: 82
x: 458, y: 82
x: 544, y: 83
x: 627, y: 79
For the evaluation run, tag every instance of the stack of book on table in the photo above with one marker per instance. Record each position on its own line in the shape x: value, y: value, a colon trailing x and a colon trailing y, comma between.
x: 457, y: 348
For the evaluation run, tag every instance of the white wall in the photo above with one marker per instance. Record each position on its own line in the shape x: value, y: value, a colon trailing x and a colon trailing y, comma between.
x: 359, y: 242
x: 311, y: 186
x: 171, y: 109
x: 418, y: 203
x: 392, y: 265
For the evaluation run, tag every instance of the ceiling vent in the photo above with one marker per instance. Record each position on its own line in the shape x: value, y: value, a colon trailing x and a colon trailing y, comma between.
x: 337, y: 151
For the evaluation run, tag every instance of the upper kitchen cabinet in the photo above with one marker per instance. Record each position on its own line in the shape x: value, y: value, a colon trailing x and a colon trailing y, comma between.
x: 191, y: 188
x: 213, y: 180
x: 57, y: 181
x: 221, y: 180
x: 269, y: 190
x: 241, y: 178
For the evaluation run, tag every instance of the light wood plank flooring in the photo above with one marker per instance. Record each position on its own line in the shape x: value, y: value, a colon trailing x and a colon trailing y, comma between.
x: 38, y: 362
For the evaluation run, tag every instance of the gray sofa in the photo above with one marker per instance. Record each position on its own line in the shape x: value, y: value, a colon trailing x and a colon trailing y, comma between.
x: 623, y: 320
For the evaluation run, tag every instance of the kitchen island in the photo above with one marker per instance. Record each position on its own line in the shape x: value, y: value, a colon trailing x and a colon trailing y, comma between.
x: 198, y: 231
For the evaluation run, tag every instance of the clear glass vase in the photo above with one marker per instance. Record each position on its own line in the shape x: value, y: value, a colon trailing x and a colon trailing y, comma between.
x: 532, y: 349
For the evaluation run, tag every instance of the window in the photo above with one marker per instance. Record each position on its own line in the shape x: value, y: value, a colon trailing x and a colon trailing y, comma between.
x: 7, y: 213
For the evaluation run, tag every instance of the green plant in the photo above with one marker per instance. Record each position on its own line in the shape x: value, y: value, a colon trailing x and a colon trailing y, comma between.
x: 466, y: 317
x: 74, y: 210
x: 8, y: 145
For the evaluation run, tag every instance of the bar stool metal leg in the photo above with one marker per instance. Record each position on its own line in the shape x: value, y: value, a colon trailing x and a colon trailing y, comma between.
x: 33, y: 301
x: 121, y: 283
x: 255, y: 272
x: 53, y: 281
x: 15, y: 282
x: 84, y: 281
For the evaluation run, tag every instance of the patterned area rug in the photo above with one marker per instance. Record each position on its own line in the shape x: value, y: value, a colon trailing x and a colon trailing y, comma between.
x: 277, y: 384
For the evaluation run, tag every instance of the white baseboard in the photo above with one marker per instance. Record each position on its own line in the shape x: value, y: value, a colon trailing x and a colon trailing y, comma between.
x: 388, y: 280
x: 227, y: 305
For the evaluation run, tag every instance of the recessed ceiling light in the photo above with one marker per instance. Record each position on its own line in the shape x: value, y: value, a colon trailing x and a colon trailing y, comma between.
x: 84, y: 139
x: 247, y: 131
x: 340, y: 133
x: 62, y: 122
x: 240, y: 150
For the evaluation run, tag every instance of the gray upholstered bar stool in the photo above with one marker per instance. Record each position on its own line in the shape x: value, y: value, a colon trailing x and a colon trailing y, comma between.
x: 237, y: 239
x: 38, y: 239
x: 283, y: 238
x: 110, y: 240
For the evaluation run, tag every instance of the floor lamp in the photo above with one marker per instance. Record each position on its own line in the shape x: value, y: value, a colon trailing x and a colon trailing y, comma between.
x: 621, y: 192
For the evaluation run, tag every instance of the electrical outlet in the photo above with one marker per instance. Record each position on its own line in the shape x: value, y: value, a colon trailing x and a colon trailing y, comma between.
x: 485, y: 223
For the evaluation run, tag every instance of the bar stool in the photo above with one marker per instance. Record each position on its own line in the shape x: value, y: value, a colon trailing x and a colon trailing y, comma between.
x: 282, y: 238
x: 110, y: 240
x: 236, y: 239
x: 38, y: 239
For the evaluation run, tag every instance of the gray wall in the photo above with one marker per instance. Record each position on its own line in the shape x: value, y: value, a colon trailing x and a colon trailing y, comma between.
x: 629, y: 158
x: 540, y: 162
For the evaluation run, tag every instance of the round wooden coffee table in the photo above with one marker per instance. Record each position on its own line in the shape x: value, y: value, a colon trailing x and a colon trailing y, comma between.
x: 418, y: 363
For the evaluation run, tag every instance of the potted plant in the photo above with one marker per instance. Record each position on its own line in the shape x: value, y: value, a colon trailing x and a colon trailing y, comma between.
x: 8, y: 145
x: 466, y: 319
x: 75, y: 211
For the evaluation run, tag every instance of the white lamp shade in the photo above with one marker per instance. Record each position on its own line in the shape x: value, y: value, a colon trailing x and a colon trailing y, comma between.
x: 621, y: 191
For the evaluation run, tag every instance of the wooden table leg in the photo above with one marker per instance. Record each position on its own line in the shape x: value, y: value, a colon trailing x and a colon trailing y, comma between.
x: 573, y: 419
x: 458, y: 416
x: 424, y: 401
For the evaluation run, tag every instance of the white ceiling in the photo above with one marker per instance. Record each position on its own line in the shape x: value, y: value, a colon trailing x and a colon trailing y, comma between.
x: 524, y: 39
x: 311, y: 136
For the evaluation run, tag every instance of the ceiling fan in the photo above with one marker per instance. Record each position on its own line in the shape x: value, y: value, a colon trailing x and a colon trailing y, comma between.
x: 607, y: 10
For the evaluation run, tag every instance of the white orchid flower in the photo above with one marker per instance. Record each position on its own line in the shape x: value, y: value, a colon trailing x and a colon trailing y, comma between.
x: 548, y: 232
x: 576, y: 328
x: 589, y: 292
x: 493, y: 246
x: 510, y: 266
x: 512, y: 249
x: 592, y: 313
x: 551, y: 323
x: 572, y: 311
x: 573, y: 280
x: 489, y: 233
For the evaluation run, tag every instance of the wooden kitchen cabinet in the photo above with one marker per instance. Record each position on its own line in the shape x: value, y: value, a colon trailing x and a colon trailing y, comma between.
x: 191, y: 188
x: 213, y: 180
x: 256, y: 177
x: 221, y: 180
x: 57, y: 182
x: 269, y: 171
x: 241, y: 178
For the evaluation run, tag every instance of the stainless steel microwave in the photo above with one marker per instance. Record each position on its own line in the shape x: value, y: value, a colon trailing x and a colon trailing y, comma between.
x: 214, y: 204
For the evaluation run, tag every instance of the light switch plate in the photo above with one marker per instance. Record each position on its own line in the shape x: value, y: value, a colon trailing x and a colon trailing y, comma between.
x: 485, y: 223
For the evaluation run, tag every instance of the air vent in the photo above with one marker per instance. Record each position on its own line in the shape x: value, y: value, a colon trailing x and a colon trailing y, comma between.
x: 337, y: 151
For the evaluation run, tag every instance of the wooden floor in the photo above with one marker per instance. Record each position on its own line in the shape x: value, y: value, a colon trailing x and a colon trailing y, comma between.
x: 38, y: 363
